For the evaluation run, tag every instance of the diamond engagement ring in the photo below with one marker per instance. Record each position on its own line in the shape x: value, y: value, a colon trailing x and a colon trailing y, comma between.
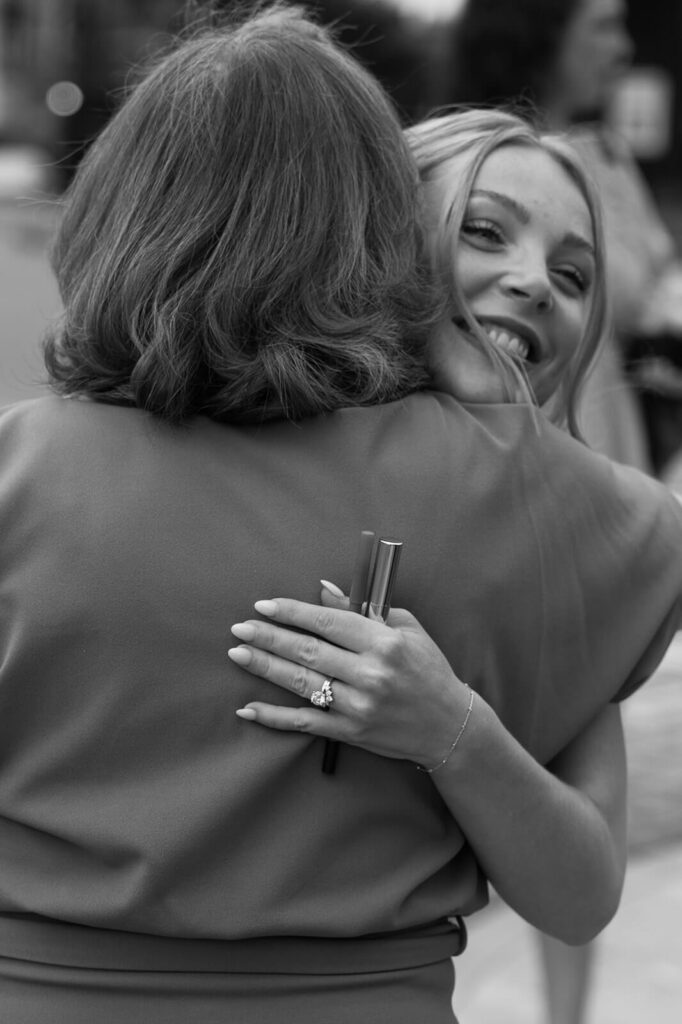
x: 323, y: 698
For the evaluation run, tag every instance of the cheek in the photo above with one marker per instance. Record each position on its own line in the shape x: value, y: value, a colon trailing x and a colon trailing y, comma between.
x: 472, y: 274
x: 570, y: 331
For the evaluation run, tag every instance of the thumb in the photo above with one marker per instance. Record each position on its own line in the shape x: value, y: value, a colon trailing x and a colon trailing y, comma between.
x: 332, y: 596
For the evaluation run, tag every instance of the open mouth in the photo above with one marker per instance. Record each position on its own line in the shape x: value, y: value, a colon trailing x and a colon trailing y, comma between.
x: 522, y: 348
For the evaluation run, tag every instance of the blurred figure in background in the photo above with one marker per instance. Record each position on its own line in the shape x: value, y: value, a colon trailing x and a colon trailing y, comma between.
x: 560, y: 60
x: 557, y: 62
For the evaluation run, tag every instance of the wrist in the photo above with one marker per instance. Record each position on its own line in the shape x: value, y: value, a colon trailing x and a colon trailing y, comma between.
x: 430, y: 769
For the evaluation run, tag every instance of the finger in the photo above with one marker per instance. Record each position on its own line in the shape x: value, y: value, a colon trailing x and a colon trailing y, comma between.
x: 282, y: 672
x: 340, y: 627
x: 400, y: 618
x: 332, y: 596
x: 306, y: 720
x: 294, y: 652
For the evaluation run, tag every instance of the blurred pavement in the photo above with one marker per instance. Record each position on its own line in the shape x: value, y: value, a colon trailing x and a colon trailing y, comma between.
x: 638, y: 968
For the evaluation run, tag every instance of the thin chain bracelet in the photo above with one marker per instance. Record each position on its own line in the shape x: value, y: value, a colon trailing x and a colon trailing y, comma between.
x: 430, y: 771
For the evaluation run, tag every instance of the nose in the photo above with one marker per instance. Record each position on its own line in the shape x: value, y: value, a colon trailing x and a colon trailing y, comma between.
x: 531, y: 287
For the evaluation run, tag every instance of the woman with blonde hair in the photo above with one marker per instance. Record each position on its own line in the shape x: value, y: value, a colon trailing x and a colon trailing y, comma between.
x: 513, y: 232
x: 450, y: 151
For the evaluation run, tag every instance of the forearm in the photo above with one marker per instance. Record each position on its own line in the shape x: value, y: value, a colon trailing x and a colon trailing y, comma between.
x: 546, y: 846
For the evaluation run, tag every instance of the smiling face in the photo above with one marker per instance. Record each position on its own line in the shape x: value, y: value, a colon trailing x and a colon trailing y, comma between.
x: 525, y: 263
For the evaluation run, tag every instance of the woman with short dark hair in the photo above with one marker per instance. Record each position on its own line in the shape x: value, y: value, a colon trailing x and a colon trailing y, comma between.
x: 236, y: 281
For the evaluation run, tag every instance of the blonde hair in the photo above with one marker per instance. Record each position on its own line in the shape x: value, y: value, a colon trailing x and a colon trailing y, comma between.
x: 471, y: 135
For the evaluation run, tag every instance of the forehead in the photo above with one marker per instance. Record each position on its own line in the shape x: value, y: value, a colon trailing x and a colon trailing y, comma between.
x: 537, y: 181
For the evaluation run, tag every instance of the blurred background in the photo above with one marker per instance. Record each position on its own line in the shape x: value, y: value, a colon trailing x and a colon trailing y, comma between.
x: 64, y: 66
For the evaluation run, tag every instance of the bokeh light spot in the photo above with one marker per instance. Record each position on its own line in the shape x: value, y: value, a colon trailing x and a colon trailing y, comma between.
x: 64, y: 99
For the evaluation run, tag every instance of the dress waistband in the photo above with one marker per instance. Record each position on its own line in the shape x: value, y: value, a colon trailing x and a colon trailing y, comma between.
x: 24, y: 937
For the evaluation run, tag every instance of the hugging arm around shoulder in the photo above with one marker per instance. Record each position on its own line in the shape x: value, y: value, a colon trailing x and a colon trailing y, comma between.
x: 567, y: 576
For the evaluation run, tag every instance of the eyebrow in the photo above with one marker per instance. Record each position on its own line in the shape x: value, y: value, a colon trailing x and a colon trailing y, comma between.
x: 523, y: 214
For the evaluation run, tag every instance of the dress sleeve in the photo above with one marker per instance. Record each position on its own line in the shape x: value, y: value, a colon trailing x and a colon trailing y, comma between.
x: 621, y: 568
x: 657, y: 516
x: 585, y: 559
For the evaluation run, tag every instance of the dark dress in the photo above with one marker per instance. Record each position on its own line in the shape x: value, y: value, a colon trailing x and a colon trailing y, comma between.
x: 163, y: 861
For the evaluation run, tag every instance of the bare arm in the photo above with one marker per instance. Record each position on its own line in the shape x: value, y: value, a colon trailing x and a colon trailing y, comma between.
x: 551, y: 840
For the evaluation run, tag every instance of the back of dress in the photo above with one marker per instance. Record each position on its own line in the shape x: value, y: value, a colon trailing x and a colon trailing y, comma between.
x: 131, y: 796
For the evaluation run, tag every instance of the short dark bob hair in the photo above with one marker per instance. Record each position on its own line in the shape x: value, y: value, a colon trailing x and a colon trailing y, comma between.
x: 242, y: 239
x: 505, y: 52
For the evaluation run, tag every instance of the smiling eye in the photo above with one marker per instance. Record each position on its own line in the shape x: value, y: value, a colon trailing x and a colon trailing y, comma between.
x: 575, y: 276
x: 483, y: 230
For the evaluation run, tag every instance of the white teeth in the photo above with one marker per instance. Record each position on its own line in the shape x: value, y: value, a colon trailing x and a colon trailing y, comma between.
x: 509, y: 342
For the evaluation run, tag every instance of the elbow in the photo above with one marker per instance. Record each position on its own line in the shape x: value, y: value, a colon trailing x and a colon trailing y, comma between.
x: 582, y: 932
x: 590, y: 916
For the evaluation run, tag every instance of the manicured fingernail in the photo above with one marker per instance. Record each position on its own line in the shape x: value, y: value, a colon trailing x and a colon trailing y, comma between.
x: 248, y: 714
x: 240, y: 655
x: 244, y: 630
x: 332, y: 588
x: 268, y: 608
